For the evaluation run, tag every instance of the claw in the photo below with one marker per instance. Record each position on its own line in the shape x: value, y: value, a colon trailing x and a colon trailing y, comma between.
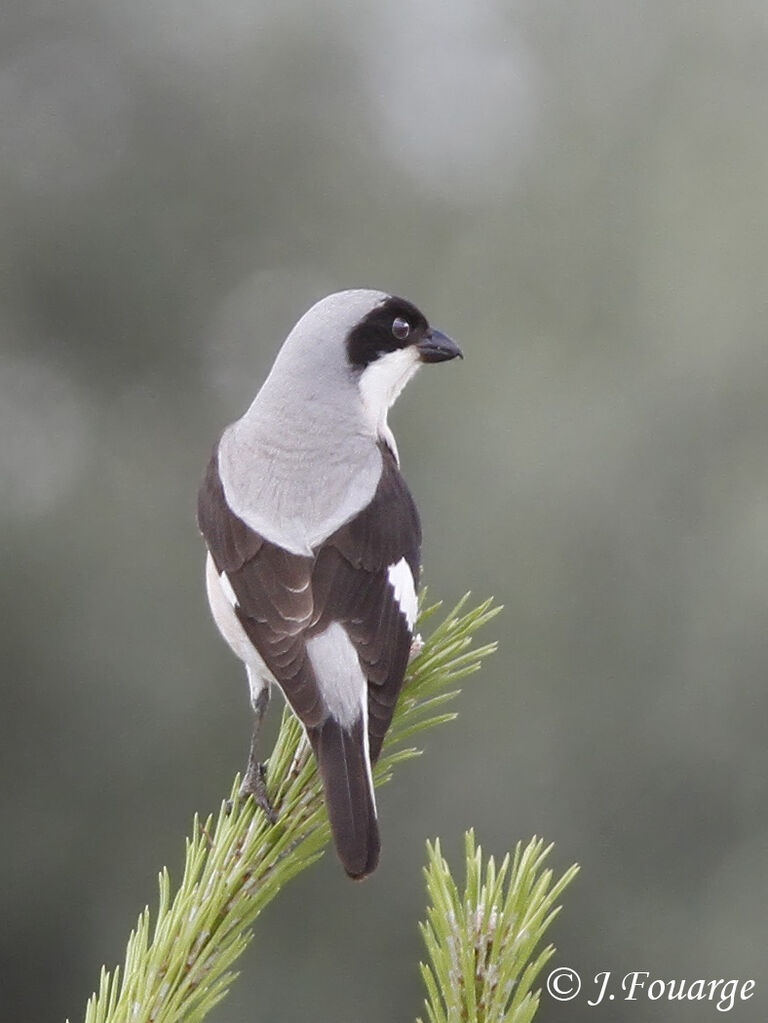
x: 255, y: 784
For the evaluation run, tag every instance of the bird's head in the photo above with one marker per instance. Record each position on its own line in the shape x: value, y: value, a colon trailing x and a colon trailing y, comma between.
x: 374, y: 341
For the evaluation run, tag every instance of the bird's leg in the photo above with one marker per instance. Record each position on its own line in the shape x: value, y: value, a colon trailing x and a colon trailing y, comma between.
x: 254, y: 781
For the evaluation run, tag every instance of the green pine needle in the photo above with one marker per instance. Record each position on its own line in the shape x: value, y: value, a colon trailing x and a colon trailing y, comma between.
x: 236, y: 862
x: 483, y: 942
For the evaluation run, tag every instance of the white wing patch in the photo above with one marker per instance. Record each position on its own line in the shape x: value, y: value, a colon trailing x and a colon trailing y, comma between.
x: 401, y: 581
x: 340, y: 678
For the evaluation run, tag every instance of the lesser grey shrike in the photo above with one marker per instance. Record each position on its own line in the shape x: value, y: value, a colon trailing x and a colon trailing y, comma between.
x: 314, y: 543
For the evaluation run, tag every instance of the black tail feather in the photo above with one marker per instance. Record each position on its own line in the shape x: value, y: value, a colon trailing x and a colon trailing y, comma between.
x: 341, y: 758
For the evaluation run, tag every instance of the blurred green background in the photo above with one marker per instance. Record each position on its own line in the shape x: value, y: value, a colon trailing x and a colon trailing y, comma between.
x: 576, y: 191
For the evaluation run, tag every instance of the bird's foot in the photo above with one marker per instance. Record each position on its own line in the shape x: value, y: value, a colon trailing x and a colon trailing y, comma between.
x: 255, y: 784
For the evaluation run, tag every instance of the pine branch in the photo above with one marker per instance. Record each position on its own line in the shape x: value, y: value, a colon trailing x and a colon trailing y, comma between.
x: 178, y: 968
x: 483, y: 942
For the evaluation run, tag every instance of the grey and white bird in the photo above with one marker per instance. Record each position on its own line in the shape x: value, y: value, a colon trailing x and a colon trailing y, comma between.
x: 314, y: 543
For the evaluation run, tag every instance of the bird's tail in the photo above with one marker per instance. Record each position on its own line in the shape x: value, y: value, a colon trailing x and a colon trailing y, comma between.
x: 345, y: 771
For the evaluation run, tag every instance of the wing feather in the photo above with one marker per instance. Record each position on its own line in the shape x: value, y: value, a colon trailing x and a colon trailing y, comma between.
x: 285, y: 599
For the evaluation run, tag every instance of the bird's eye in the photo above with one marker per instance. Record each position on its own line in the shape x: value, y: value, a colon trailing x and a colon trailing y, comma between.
x: 401, y: 328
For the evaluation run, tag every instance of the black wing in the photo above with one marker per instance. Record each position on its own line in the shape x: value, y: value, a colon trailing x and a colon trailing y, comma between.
x: 274, y: 595
x: 284, y: 599
x: 352, y: 586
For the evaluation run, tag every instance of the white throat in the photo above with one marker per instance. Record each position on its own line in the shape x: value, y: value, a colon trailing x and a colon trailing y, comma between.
x: 380, y: 385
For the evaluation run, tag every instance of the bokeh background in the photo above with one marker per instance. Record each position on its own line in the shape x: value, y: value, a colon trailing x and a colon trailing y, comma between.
x: 578, y: 192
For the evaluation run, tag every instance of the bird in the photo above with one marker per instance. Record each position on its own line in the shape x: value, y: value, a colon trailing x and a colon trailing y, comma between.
x: 314, y: 544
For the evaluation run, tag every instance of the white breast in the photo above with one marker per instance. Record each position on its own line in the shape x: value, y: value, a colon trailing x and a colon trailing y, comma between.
x: 341, y: 682
x: 340, y: 678
x: 222, y: 600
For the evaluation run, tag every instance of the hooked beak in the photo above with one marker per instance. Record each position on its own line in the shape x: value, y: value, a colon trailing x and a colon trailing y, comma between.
x: 436, y: 346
